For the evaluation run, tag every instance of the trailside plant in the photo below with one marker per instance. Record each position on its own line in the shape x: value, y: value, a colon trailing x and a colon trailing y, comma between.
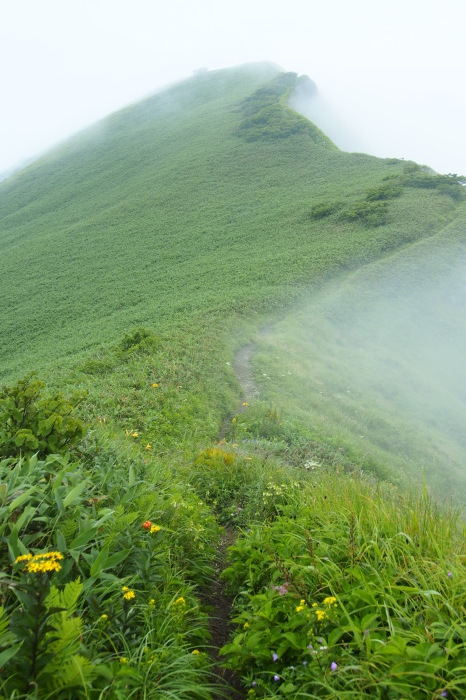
x: 354, y: 592
x: 32, y: 422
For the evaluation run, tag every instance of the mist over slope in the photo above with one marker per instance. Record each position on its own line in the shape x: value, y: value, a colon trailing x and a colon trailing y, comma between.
x: 198, y: 199
x: 376, y: 360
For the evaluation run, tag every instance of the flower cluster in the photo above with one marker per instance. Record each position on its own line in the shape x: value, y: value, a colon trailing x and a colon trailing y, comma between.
x: 148, y: 525
x: 179, y: 603
x: 128, y: 593
x: 41, y: 563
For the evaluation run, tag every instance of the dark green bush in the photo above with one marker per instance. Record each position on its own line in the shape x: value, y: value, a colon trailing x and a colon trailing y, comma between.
x: 33, y: 422
x: 323, y: 209
x: 369, y: 213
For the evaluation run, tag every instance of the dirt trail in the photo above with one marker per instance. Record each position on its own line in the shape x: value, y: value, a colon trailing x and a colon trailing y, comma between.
x: 242, y: 366
x: 215, y: 597
x: 220, y: 624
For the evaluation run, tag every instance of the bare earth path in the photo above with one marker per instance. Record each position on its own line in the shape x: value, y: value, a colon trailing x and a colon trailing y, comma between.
x: 215, y: 597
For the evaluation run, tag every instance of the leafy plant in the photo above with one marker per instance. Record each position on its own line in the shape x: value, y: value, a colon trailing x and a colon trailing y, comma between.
x: 34, y: 422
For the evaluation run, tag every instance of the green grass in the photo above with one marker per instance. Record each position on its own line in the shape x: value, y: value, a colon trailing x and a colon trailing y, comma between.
x: 136, y: 259
x: 163, y: 212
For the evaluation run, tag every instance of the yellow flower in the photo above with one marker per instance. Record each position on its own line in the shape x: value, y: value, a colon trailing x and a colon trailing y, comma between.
x: 41, y: 563
x: 315, y: 605
x: 247, y: 459
x: 321, y: 615
x: 302, y: 601
x: 246, y: 625
x: 152, y: 601
x: 23, y: 557
x: 300, y: 608
x: 155, y: 385
x: 128, y: 594
x: 196, y: 651
x: 330, y: 600
x: 104, y: 617
x: 155, y: 528
x: 245, y: 403
x: 148, y: 446
x: 180, y: 601
x: 123, y: 660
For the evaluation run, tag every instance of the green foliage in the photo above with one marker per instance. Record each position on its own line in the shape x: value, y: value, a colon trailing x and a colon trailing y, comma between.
x: 371, y: 213
x: 267, y: 117
x: 323, y: 209
x: 33, y: 422
x: 340, y: 597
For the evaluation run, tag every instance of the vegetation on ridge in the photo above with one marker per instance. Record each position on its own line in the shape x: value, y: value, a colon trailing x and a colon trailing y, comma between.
x: 138, y: 258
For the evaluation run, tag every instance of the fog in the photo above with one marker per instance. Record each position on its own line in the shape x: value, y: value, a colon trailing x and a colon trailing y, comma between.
x: 390, y: 76
x: 375, y: 363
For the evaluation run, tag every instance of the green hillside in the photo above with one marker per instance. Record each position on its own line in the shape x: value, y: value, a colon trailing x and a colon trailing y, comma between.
x: 166, y: 209
x: 248, y: 348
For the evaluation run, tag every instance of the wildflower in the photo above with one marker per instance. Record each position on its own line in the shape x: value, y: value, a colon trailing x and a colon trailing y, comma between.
x: 23, y: 557
x: 245, y: 403
x: 155, y: 385
x: 274, y: 657
x: 104, y: 617
x: 134, y: 434
x: 321, y: 615
x: 151, y: 601
x: 147, y: 525
x: 315, y: 605
x: 128, y: 593
x: 247, y: 459
x: 300, y: 608
x: 148, y: 446
x: 154, y: 528
x: 195, y: 651
x: 180, y: 602
x: 246, y: 625
x: 41, y: 563
x: 331, y: 600
x: 450, y: 575
x: 254, y: 684
x: 283, y: 589
x: 444, y: 694
x: 304, y: 663
x: 123, y: 660
x: 333, y: 666
x: 276, y: 678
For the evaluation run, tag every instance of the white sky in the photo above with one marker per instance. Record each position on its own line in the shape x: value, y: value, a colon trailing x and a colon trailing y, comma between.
x: 391, y: 74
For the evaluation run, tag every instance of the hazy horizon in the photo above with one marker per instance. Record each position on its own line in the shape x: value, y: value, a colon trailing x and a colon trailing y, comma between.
x: 390, y: 79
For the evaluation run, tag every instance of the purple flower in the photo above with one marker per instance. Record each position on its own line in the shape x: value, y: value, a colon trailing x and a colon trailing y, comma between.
x: 274, y: 657
x: 309, y: 646
x: 333, y: 666
x: 276, y: 678
x: 254, y: 683
x: 444, y: 693
x: 449, y: 574
x: 320, y: 640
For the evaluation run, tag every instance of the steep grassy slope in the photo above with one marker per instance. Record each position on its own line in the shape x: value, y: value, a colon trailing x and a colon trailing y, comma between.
x: 375, y: 361
x: 172, y: 208
x: 204, y: 212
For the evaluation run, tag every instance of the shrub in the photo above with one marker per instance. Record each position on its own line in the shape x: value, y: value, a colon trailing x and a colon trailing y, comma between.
x: 369, y: 213
x: 33, y: 422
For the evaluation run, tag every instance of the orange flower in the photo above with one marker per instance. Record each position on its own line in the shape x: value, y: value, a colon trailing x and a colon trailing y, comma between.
x: 147, y: 525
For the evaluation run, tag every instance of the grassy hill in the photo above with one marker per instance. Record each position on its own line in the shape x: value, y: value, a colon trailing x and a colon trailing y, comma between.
x: 166, y: 210
x: 137, y: 259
